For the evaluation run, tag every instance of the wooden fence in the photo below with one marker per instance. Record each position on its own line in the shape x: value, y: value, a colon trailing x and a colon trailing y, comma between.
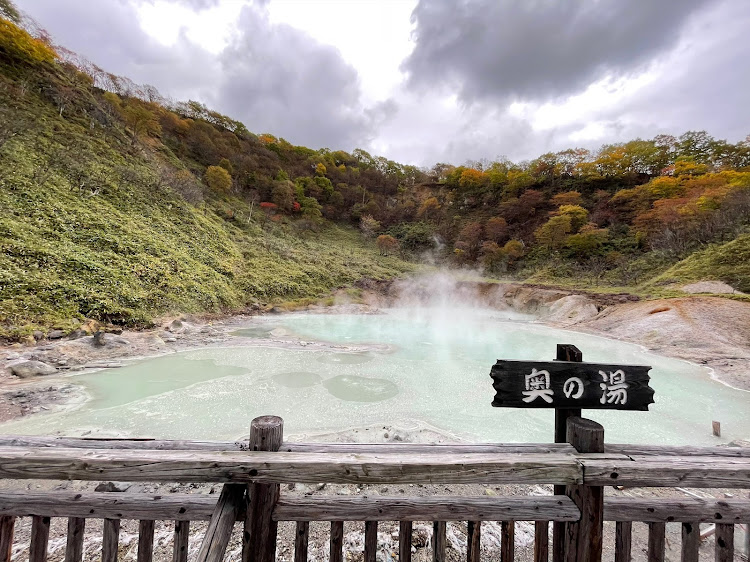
x: 252, y: 472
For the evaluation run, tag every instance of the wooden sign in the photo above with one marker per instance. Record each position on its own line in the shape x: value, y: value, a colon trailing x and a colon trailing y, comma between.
x: 564, y: 384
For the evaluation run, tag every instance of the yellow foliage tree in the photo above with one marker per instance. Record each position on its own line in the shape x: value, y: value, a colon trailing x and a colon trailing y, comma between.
x: 18, y: 48
x: 218, y: 178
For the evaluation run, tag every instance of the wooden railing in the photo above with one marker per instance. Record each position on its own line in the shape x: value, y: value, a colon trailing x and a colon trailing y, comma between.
x: 253, y: 470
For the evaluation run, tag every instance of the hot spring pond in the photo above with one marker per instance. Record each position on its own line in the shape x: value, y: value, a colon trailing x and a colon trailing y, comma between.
x: 430, y: 368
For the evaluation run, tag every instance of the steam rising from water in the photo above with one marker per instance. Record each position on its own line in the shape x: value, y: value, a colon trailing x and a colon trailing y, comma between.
x: 428, y: 366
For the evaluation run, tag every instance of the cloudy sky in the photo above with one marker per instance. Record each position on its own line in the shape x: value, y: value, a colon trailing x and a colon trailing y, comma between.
x: 422, y: 81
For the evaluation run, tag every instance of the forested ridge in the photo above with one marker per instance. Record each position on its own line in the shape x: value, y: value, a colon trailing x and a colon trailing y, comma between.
x: 117, y: 204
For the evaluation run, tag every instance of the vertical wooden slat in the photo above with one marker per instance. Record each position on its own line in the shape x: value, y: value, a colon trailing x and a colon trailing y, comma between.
x: 473, y: 545
x: 39, y: 538
x: 438, y: 541
x: 145, y: 540
x: 337, y: 541
x: 583, y: 538
x: 301, y: 540
x: 691, y: 540
x: 404, y: 541
x: 259, y: 538
x: 371, y: 540
x: 181, y: 537
x: 507, y: 541
x: 74, y: 544
x: 541, y: 541
x: 565, y: 352
x: 724, y: 542
x: 623, y: 541
x: 110, y: 540
x: 656, y: 537
x: 219, y: 532
x: 7, y: 527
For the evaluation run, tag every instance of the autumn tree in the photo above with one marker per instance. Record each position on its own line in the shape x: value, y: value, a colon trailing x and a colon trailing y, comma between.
x: 496, y: 229
x: 140, y: 119
x: 218, y: 179
x: 470, y: 240
x: 429, y: 208
x: 386, y: 244
x: 19, y: 49
x: 567, y: 198
x: 282, y: 195
x: 369, y: 226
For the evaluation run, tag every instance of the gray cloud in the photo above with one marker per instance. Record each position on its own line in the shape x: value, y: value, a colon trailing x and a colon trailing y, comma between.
x: 279, y: 80
x: 538, y: 49
x: 272, y: 77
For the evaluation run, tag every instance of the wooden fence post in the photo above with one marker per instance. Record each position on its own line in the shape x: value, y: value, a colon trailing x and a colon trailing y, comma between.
x: 259, y: 538
x: 583, y: 538
x: 565, y: 352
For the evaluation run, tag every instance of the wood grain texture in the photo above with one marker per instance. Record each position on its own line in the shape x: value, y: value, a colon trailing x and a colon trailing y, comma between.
x: 260, y: 530
x: 692, y: 472
x: 430, y: 508
x: 426, y: 448
x: 623, y: 540
x: 7, y: 528
x: 301, y: 541
x: 107, y: 505
x: 278, y: 467
x: 110, y: 540
x: 584, y: 538
x: 473, y: 541
x: 439, y: 542
x: 510, y: 384
x: 541, y: 541
x: 181, y: 541
x: 691, y: 541
x: 39, y: 538
x: 337, y: 541
x: 74, y: 540
x: 675, y: 451
x: 219, y: 532
x: 688, y: 510
x: 507, y: 541
x: 130, y: 443
x: 145, y: 540
x: 404, y: 541
x: 656, y: 542
x: 724, y: 542
x: 371, y: 541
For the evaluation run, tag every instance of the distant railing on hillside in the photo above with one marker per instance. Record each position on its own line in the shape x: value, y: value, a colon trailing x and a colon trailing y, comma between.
x: 252, y: 472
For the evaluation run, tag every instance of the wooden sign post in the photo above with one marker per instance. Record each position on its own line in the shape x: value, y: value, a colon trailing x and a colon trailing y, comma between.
x: 569, y: 385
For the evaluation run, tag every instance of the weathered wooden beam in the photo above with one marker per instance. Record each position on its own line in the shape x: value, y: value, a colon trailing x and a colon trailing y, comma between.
x: 474, y: 541
x: 691, y: 541
x: 656, y: 542
x: 110, y: 540
x: 687, y: 510
x: 181, y: 541
x: 301, y: 541
x: 337, y: 542
x: 371, y: 541
x: 145, y: 540
x: 259, y: 538
x: 404, y: 541
x: 439, y: 542
x: 623, y: 539
x: 724, y: 542
x: 541, y: 541
x: 74, y: 541
x: 278, y: 467
x: 584, y: 538
x: 96, y: 505
x: 694, y: 472
x: 675, y: 451
x: 219, y: 532
x: 507, y: 541
x: 39, y: 538
x: 427, y: 448
x: 430, y: 508
x: 113, y: 443
x: 7, y: 528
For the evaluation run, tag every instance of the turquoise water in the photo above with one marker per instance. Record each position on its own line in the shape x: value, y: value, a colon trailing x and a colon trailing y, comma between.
x: 433, y: 370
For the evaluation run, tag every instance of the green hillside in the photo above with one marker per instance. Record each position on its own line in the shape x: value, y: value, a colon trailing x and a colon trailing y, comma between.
x: 94, y: 225
x: 728, y: 262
